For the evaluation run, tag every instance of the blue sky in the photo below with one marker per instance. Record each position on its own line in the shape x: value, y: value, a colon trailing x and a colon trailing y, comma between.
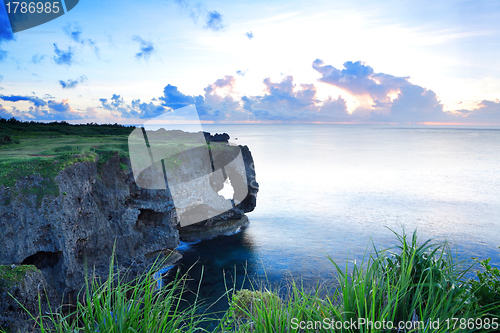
x: 260, y: 61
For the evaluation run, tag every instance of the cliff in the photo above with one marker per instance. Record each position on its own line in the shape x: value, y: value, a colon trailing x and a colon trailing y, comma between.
x: 98, y: 209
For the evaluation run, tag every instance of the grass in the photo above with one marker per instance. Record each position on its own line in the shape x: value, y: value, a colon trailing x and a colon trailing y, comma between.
x: 120, y: 304
x: 44, y: 149
x: 416, y: 285
x: 11, y: 275
x: 41, y: 151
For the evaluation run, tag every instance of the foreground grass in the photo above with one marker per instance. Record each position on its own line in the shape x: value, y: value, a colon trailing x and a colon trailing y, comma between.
x: 119, y: 304
x: 418, y: 286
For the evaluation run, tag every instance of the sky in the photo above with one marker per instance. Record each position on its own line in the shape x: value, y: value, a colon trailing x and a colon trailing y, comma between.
x: 374, y: 62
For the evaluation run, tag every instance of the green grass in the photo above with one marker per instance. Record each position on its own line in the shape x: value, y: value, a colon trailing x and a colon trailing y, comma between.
x: 12, y: 275
x: 412, y: 282
x: 43, y: 150
x: 46, y: 149
x: 119, y: 304
x: 487, y: 288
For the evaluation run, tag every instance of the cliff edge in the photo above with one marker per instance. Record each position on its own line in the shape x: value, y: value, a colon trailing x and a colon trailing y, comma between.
x: 98, y: 208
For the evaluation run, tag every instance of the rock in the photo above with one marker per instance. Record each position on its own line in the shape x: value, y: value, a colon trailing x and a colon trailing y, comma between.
x: 199, y: 232
x: 223, y: 137
x: 101, y: 211
x: 23, y: 284
x: 95, y: 213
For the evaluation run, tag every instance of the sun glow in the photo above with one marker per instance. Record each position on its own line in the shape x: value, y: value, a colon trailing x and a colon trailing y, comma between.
x: 393, y: 95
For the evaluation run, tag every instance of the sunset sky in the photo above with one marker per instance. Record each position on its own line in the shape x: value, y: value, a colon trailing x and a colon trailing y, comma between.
x: 258, y: 61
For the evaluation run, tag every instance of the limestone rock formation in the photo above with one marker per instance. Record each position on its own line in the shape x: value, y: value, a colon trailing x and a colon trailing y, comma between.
x: 97, y: 210
x: 20, y: 285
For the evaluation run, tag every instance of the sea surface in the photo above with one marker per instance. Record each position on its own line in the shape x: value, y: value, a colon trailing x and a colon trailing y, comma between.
x: 338, y: 190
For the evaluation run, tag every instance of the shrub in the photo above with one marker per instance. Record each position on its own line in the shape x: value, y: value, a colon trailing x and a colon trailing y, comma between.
x: 246, y: 302
x: 487, y: 289
x: 7, y: 139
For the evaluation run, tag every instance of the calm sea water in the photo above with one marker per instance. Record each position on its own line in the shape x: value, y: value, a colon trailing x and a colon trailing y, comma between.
x: 333, y: 189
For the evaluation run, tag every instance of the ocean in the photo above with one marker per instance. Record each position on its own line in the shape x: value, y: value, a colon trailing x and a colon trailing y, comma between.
x: 338, y: 190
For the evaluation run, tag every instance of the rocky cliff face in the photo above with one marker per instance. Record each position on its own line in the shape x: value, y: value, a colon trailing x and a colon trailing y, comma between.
x: 95, y: 211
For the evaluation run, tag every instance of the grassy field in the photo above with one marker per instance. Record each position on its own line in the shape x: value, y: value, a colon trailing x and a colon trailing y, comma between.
x: 27, y: 141
x: 43, y: 150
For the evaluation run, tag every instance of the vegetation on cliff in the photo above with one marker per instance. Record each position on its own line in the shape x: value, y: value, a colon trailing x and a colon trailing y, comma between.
x: 14, y: 274
x: 46, y: 148
x: 42, y: 150
x: 418, y: 285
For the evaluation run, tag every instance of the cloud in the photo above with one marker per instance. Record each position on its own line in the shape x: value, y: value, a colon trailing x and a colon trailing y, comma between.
x: 227, y: 81
x: 115, y: 103
x: 241, y: 73
x: 383, y: 98
x: 359, y: 79
x: 36, y: 59
x: 486, y: 112
x: 62, y: 110
x: 332, y: 110
x: 70, y: 84
x: 249, y: 35
x: 4, y: 113
x: 218, y: 102
x: 213, y: 21
x: 417, y: 104
x: 174, y: 99
x: 64, y: 57
x: 74, y: 32
x: 146, y: 110
x: 193, y: 10
x: 146, y: 48
x: 16, y: 98
x: 413, y: 103
x: 41, y: 110
x: 137, y: 109
x: 283, y: 101
x: 63, y: 106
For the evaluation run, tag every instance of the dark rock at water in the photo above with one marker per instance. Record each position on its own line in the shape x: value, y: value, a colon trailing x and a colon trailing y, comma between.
x: 198, y: 232
x: 223, y: 137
